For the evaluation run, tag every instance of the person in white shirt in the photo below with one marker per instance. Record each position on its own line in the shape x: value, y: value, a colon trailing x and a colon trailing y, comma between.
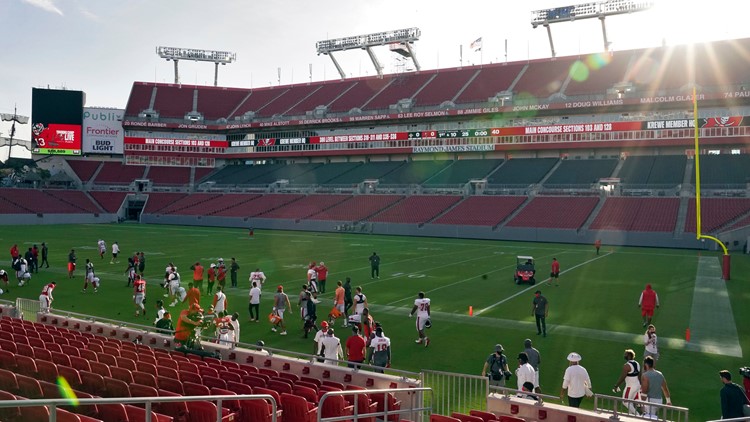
x: 525, y: 372
x: 160, y: 311
x: 360, y: 301
x: 650, y: 341
x: 220, y: 301
x: 576, y: 381
x: 115, y: 251
x: 46, y: 298
x: 330, y: 346
x: 179, y: 296
x: 255, y: 302
x: 319, y: 336
x: 422, y: 308
x: 257, y: 276
x: 236, y: 325
x: 312, y: 278
x: 102, y: 248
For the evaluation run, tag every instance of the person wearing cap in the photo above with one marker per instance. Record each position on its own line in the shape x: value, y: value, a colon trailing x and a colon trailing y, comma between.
x: 211, y: 278
x: 576, y: 381
x: 324, y: 326
x: 651, y: 343
x: 535, y: 359
x: 540, y: 310
x: 496, y: 367
x: 197, y: 275
x: 330, y: 347
x: 356, y: 346
x: 647, y: 302
x: 254, y: 306
x: 379, y: 352
x: 280, y: 304
x: 233, y: 268
x: 221, y: 274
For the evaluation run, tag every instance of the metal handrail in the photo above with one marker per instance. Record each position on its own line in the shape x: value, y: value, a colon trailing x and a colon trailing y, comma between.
x: 356, y: 415
x: 53, y: 403
x: 512, y: 392
x: 663, y: 409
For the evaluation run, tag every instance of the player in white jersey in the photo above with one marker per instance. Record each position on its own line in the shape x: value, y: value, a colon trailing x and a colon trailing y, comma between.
x: 46, y: 298
x: 360, y: 301
x: 89, y: 277
x: 220, y: 300
x: 115, y: 251
x: 179, y: 296
x: 422, y: 308
x: 379, y: 352
x: 631, y: 372
x: 258, y: 277
x: 102, y: 248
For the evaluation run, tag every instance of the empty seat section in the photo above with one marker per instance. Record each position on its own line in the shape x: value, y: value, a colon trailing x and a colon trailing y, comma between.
x: 158, y: 201
x: 74, y: 198
x: 261, y: 205
x: 598, y: 72
x: 187, y: 202
x: 328, y: 92
x: 174, y: 100
x: 169, y: 175
x: 637, y: 214
x: 652, y: 171
x: 358, y: 95
x: 291, y: 96
x: 716, y: 213
x: 368, y: 171
x: 636, y: 169
x: 305, y: 207
x: 357, y: 208
x: 405, y: 85
x: 9, y: 207
x: 285, y: 172
x: 482, y: 210
x: 257, y: 99
x: 36, y: 201
x: 322, y: 174
x: 544, y: 77
x: 446, y: 84
x: 110, y: 201
x: 581, y: 172
x: 662, y: 68
x: 460, y: 172
x: 84, y: 169
x: 215, y: 205
x: 522, y: 171
x: 724, y: 171
x: 119, y: 174
x: 242, y: 175
x: 202, y: 173
x: 555, y: 213
x: 490, y: 80
x: 416, y: 209
x: 140, y: 98
x: 414, y: 172
x: 216, y: 103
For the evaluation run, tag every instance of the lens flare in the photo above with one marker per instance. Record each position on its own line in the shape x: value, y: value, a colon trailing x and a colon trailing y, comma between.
x: 66, y: 391
x: 597, y: 61
x: 579, y: 72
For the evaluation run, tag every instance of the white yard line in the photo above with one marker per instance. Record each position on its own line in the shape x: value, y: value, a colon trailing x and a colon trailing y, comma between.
x: 712, y: 325
x: 481, y: 311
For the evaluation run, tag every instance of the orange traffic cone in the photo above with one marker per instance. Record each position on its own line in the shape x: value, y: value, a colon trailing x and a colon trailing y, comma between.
x: 471, y: 311
x: 687, y: 335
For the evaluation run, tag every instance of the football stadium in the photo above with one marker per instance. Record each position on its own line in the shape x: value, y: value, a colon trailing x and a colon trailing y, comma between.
x: 474, y: 243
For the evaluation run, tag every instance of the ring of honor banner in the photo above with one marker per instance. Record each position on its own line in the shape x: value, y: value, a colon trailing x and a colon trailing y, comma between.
x: 102, y: 130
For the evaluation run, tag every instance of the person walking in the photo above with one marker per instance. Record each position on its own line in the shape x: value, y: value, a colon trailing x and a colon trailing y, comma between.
x: 496, y: 367
x: 598, y: 245
x: 555, y: 273
x: 654, y: 388
x: 630, y: 374
x: 254, y: 307
x: 348, y: 300
x: 356, y: 346
x: 650, y: 341
x: 197, y: 275
x: 45, y: 254
x: 280, y: 304
x: 330, y: 348
x: 379, y: 352
x: 576, y: 381
x: 525, y: 372
x: 540, y: 310
x: 322, y: 272
x: 647, y: 302
x: 732, y: 396
x: 374, y: 265
x: 422, y: 308
x: 535, y: 359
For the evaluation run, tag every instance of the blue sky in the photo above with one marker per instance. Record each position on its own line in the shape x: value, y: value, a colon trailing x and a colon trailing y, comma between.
x: 103, y: 46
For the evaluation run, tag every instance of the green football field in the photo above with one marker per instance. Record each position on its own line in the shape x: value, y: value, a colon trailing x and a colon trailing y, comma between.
x: 593, y: 311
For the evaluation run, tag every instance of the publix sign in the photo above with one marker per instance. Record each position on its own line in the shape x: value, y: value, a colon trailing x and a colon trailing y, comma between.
x: 102, y: 130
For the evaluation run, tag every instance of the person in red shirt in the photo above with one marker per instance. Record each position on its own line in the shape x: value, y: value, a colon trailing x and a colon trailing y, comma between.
x: 322, y: 271
x: 46, y: 298
x: 193, y: 295
x: 14, y: 252
x: 221, y: 275
x: 355, y: 348
x: 211, y: 279
x: 647, y: 302
x: 186, y: 325
x: 197, y: 275
x: 139, y: 295
x: 555, y: 274
x: 598, y: 245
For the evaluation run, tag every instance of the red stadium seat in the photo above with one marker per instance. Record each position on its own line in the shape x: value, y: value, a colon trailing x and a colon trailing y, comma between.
x: 193, y: 389
x: 65, y: 416
x: 278, y: 386
x: 188, y: 367
x: 308, y: 385
x: 297, y: 409
x: 239, y: 387
x: 167, y: 372
x: 334, y: 406
x: 230, y: 376
x: 129, y: 354
x: 250, y: 369
x: 232, y: 405
x: 485, y: 416
x: 214, y: 382
x: 208, y: 371
x: 35, y: 342
x: 205, y: 411
x: 253, y: 381
x: 466, y: 418
x: 91, y: 410
x: 137, y: 414
x: 49, y: 390
x: 169, y: 363
x: 307, y: 392
x: 80, y: 363
x: 145, y: 378
x: 8, y: 381
x: 25, y: 365
x: 89, y: 355
x: 441, y: 418
x: 35, y: 413
x: 8, y: 345
x: 170, y: 384
x: 114, y: 351
x: 113, y: 412
x: 54, y: 347
x: 116, y: 388
x: 46, y: 370
x: 9, y: 413
x: 95, y: 347
x: 71, y: 375
x: 268, y: 371
x: 147, y: 360
x: 291, y: 377
x: 273, y: 393
x: 186, y: 376
x: 122, y: 374
x: 8, y: 360
x: 257, y: 411
x: 100, y: 368
x: 42, y: 354
x: 504, y: 418
x: 138, y: 390
x: 177, y: 410
x: 30, y: 388
x: 393, y: 404
x: 107, y: 359
x: 92, y: 383
x: 126, y: 363
x: 60, y: 358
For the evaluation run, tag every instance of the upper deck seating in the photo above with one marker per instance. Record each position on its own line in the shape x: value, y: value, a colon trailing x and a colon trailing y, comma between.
x: 581, y: 172
x: 491, y: 80
x: 522, y: 171
x: 724, y: 171
x: 414, y: 172
x: 444, y: 86
x: 84, y: 169
x: 461, y: 171
x: 110, y: 201
x: 169, y: 175
x: 119, y: 174
x: 368, y: 171
x: 544, y: 77
x: 174, y: 100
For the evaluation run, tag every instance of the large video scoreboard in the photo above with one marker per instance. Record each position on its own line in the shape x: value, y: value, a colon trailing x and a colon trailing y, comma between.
x: 56, y: 120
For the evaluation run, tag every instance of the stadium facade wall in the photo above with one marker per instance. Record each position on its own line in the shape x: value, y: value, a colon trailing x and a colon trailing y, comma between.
x: 663, y: 240
x: 29, y: 219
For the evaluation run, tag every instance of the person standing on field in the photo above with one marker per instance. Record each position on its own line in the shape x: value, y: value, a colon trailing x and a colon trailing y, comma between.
x: 496, y: 367
x: 45, y: 254
x: 653, y: 388
x: 280, y: 304
x: 115, y: 251
x: 422, y: 308
x: 598, y: 245
x: 233, y: 268
x: 540, y: 310
x: 197, y: 275
x: 630, y: 374
x: 535, y: 359
x: 554, y: 275
x: 322, y: 271
x: 348, y: 301
x: 650, y: 340
x: 733, y: 397
x: 647, y: 302
x: 576, y: 381
x: 374, y: 265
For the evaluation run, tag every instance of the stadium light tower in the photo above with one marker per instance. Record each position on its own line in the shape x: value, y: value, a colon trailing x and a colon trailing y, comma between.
x: 600, y: 10
x: 176, y: 54
x: 404, y: 37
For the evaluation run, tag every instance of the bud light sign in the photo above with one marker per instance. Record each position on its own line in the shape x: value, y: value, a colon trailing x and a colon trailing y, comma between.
x: 102, y: 130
